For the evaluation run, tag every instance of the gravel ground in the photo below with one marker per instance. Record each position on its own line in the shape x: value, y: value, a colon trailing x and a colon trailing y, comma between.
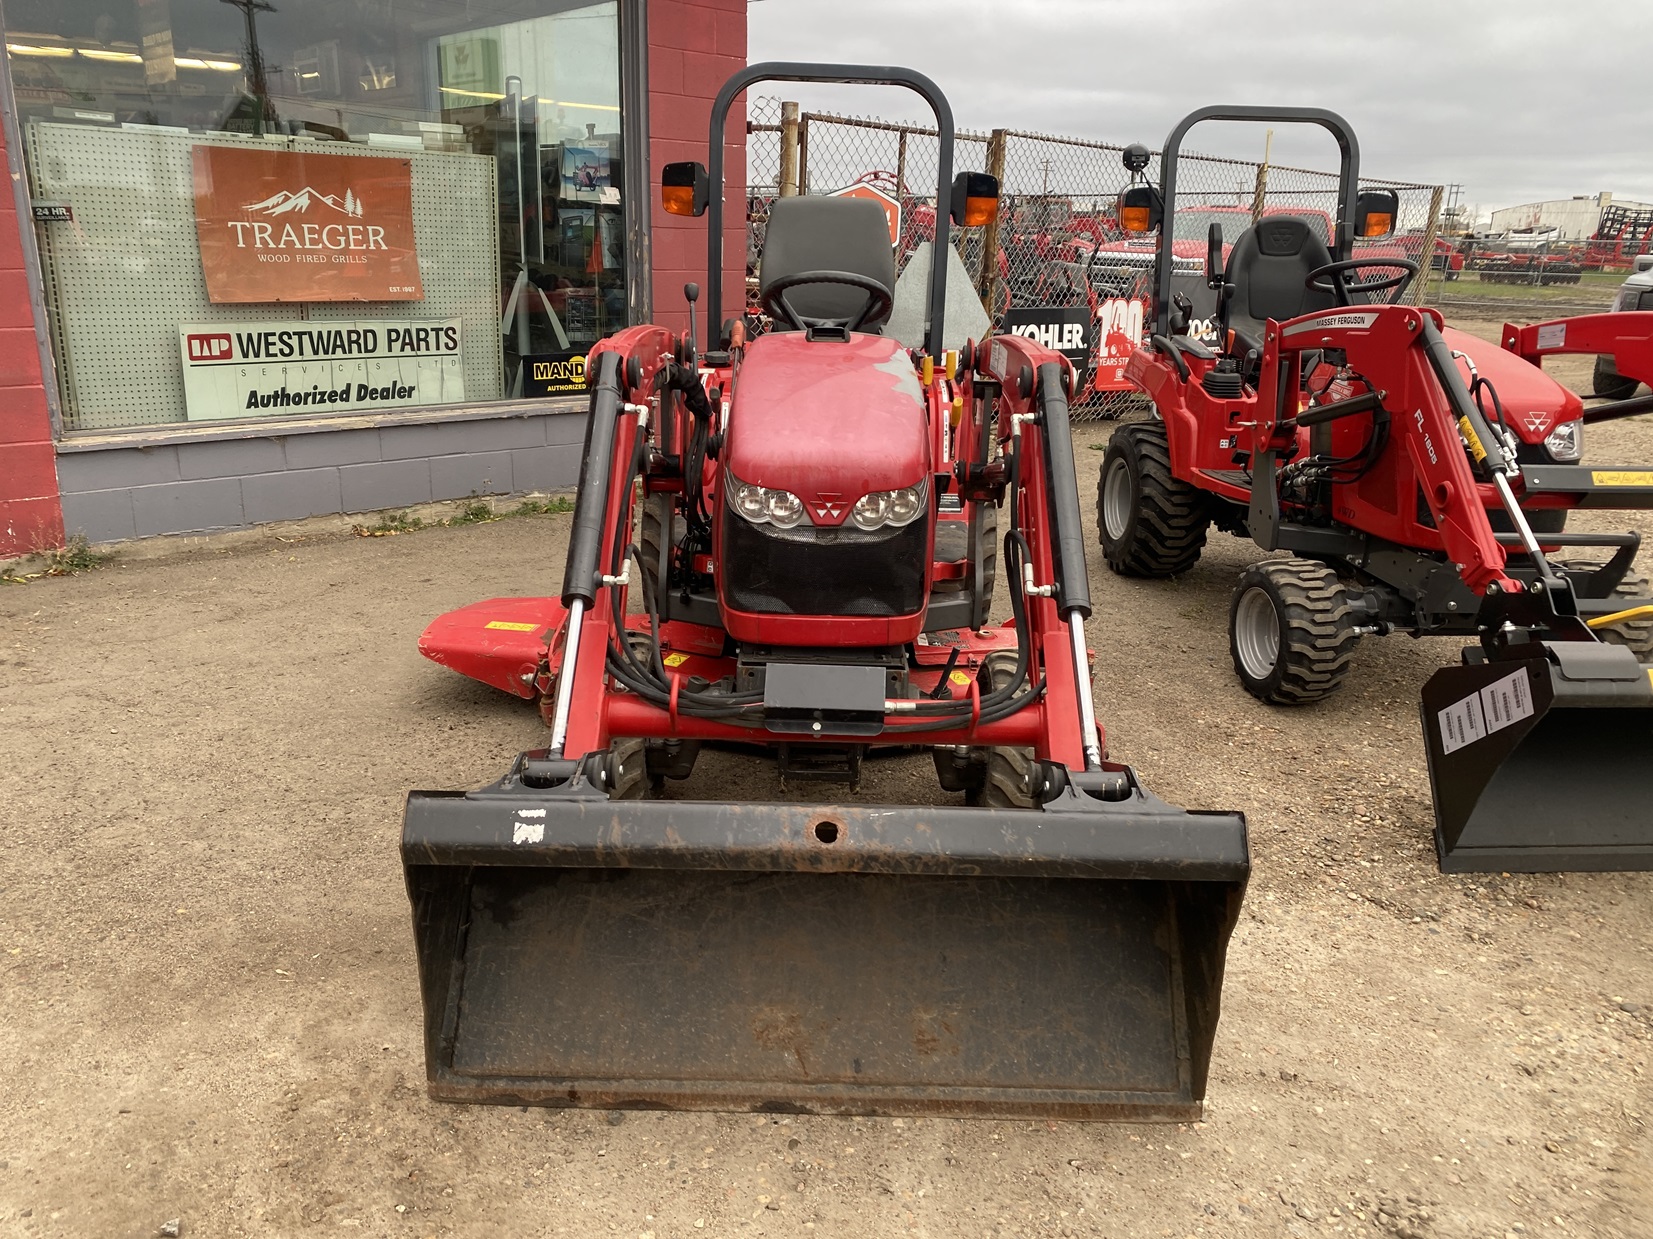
x: 211, y: 1011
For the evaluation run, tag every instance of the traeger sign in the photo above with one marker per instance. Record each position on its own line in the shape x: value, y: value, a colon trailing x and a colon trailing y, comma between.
x: 279, y: 369
x: 282, y: 225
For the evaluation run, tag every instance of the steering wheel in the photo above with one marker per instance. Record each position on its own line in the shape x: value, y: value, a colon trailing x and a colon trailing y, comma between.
x: 879, y: 299
x: 1320, y: 279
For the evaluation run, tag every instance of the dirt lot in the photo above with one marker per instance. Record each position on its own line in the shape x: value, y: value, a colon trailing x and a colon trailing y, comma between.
x: 211, y: 1012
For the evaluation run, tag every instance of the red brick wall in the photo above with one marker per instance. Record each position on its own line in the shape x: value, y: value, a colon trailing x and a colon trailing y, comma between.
x: 694, y: 46
x: 30, y: 516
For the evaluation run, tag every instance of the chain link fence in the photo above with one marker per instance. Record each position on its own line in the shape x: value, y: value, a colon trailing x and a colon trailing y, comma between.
x: 1055, y: 261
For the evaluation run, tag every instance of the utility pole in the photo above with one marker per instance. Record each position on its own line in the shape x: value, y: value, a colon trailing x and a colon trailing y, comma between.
x: 256, y: 73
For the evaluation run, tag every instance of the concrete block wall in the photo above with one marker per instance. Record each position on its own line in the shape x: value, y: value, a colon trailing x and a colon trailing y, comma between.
x: 30, y: 517
x: 182, y: 486
x: 694, y: 45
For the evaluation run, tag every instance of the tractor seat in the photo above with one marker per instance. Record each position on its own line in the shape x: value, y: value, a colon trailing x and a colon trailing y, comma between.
x: 1268, y: 267
x: 827, y: 234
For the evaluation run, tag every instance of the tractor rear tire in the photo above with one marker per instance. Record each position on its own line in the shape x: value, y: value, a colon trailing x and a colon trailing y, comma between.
x: 1608, y: 383
x: 1149, y: 522
x: 1007, y: 781
x: 987, y: 534
x: 651, y: 534
x: 1540, y: 520
x: 1291, y: 631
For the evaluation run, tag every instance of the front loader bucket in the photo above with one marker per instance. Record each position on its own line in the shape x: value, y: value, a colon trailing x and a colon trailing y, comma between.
x: 1542, y: 765
x: 1062, y: 963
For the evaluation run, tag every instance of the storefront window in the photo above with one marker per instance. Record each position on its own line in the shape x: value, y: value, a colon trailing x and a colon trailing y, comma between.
x: 278, y: 208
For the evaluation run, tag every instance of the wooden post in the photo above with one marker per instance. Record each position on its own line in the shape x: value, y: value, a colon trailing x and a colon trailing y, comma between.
x: 789, y: 150
x: 803, y: 154
x: 987, y: 279
x: 1426, y: 258
x: 1260, y: 192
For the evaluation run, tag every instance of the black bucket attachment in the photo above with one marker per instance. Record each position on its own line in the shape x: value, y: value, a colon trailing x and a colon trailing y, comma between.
x: 1542, y: 764
x: 1063, y: 962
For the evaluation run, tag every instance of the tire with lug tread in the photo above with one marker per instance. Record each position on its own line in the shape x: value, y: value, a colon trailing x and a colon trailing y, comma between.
x: 1009, y: 771
x: 1540, y: 520
x: 1636, y: 634
x: 652, y: 524
x: 1291, y: 631
x: 628, y: 770
x: 1608, y: 383
x: 988, y: 535
x: 1150, y: 524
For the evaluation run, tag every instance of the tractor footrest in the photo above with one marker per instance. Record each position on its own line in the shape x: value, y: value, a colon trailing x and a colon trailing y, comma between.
x: 821, y: 763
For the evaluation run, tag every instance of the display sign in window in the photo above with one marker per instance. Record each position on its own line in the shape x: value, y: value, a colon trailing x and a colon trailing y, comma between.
x: 285, y: 225
x: 257, y: 369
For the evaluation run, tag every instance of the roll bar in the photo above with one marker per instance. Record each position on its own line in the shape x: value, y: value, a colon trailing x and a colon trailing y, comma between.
x: 1349, y: 176
x: 860, y: 75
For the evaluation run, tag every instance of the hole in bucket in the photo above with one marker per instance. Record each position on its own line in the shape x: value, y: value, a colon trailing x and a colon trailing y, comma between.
x: 826, y: 832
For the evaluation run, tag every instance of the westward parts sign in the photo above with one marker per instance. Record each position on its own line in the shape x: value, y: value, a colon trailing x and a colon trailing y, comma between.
x: 282, y: 225
x: 320, y: 366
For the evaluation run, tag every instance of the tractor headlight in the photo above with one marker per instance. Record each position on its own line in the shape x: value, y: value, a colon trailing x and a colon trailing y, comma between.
x: 890, y: 507
x: 1566, y: 441
x: 763, y: 506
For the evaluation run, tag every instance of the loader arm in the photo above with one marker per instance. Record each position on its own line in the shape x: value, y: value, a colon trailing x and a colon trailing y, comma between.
x: 1625, y: 336
x: 1398, y: 350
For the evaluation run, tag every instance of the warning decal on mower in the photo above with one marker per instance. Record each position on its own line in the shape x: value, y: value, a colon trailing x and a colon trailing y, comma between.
x: 1621, y: 477
x: 510, y: 626
x: 1497, y: 706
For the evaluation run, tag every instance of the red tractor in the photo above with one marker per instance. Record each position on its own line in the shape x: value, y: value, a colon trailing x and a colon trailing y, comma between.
x: 789, y: 546
x: 1419, y: 481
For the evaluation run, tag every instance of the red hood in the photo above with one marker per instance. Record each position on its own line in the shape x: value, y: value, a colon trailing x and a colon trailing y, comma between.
x: 1533, y: 401
x: 828, y: 421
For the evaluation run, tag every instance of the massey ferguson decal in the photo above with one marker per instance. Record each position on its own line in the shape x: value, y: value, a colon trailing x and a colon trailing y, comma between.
x: 283, y: 225
x: 318, y: 366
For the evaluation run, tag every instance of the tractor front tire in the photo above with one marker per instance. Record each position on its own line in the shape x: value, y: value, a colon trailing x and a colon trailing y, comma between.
x: 652, y: 524
x: 627, y: 771
x: 1150, y: 523
x: 1635, y: 634
x: 1007, y: 775
x: 1291, y: 631
x: 1608, y: 383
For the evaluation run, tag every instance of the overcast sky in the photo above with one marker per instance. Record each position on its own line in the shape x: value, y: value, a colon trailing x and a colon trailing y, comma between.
x: 1518, y: 100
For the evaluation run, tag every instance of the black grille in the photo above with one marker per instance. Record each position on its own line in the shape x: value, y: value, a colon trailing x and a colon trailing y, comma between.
x: 810, y: 571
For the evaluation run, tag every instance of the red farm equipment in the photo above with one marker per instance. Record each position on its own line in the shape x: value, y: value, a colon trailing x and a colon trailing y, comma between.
x: 788, y: 545
x: 1419, y: 479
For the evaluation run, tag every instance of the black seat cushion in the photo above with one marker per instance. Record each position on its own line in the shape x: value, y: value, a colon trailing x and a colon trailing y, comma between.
x: 1269, y: 266
x: 827, y: 234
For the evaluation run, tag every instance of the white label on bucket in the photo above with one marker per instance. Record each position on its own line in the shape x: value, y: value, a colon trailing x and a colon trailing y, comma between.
x: 1461, y: 724
x: 531, y: 831
x: 1506, y: 701
x: 1552, y: 335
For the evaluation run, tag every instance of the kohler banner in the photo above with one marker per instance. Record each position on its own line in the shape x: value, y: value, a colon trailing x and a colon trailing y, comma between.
x: 275, y: 369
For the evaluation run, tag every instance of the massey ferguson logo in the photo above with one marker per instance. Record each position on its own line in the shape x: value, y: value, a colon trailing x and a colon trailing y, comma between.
x: 211, y: 347
x: 1538, y: 423
x: 830, y: 507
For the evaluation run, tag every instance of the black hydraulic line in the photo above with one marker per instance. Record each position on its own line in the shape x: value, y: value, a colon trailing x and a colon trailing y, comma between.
x: 1073, y: 587
x: 585, y: 540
